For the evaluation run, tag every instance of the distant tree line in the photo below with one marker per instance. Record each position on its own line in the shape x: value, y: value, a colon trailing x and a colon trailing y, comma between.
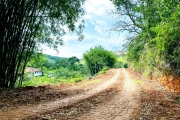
x: 58, y: 66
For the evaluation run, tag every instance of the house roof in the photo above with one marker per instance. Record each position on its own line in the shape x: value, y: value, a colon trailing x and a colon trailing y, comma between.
x: 30, y: 69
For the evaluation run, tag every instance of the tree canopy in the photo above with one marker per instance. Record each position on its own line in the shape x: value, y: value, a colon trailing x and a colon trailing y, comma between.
x: 25, y: 24
x: 97, y: 58
x: 155, y: 45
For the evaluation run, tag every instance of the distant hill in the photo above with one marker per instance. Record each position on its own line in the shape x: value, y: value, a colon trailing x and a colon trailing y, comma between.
x: 52, y: 59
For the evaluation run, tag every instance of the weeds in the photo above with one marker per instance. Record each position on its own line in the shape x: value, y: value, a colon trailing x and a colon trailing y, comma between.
x: 179, y: 101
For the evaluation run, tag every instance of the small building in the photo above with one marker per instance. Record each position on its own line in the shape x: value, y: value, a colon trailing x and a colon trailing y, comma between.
x: 33, y: 72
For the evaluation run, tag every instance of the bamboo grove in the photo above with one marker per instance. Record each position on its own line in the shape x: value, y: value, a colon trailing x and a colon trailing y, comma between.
x: 154, y: 47
x: 25, y: 25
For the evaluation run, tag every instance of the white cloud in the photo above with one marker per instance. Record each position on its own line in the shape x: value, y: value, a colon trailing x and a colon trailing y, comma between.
x: 87, y: 16
x: 98, y: 29
x: 98, y: 7
x: 100, y: 11
x: 69, y: 37
x: 101, y: 22
x: 96, y: 21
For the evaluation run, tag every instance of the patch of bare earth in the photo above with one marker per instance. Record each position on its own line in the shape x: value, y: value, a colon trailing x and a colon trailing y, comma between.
x: 157, y: 103
x: 27, y: 96
x: 120, y: 95
x: 118, y: 102
x: 20, y: 108
x: 122, y: 105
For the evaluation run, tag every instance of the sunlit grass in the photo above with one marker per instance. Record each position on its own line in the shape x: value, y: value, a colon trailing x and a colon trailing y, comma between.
x: 82, y: 62
x: 179, y: 101
x: 91, y: 82
x: 141, y: 82
x: 40, y: 81
x: 122, y: 59
x: 43, y: 80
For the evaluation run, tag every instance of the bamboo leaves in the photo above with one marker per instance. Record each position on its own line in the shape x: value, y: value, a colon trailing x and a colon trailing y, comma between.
x: 25, y: 25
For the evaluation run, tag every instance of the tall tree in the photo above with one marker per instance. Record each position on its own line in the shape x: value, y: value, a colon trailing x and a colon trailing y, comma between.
x: 37, y: 60
x: 72, y: 60
x: 97, y: 58
x: 25, y: 24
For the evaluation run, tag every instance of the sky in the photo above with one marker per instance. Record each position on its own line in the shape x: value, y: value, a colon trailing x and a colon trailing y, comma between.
x: 98, y: 22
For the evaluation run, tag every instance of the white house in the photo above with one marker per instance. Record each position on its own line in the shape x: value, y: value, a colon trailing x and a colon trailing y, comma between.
x: 33, y: 72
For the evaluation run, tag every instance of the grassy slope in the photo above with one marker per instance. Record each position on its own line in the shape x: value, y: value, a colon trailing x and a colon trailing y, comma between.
x: 122, y: 59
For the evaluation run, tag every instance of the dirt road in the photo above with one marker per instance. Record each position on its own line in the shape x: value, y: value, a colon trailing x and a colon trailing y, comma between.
x: 120, y: 107
x: 121, y: 97
x: 26, y: 111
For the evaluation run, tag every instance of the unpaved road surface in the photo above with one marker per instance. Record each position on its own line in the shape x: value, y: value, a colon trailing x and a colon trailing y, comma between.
x: 121, y: 106
x: 123, y: 96
x: 26, y: 111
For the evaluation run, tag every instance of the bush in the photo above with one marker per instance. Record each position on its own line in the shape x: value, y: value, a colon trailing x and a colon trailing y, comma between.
x: 125, y: 65
x: 103, y: 71
x: 72, y: 80
x: 97, y: 58
x: 119, y: 64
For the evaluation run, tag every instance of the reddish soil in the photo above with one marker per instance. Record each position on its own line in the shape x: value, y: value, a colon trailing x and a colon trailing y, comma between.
x: 27, y: 96
x: 171, y: 83
x: 44, y: 97
x: 157, y: 102
x: 128, y: 97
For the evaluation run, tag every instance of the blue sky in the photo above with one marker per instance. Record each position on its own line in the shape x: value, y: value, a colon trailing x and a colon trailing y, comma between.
x: 98, y: 22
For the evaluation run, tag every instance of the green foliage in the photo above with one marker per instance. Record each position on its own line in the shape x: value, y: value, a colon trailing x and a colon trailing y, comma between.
x: 43, y: 80
x: 118, y: 64
x: 125, y: 65
x: 154, y: 24
x: 26, y: 24
x: 53, y: 59
x: 179, y: 101
x: 38, y: 81
x: 97, y: 58
x: 122, y: 58
x: 59, y: 14
x: 37, y: 60
x: 103, y: 71
x: 62, y: 70
x: 121, y: 62
x: 73, y: 60
x: 72, y: 80
x: 140, y: 82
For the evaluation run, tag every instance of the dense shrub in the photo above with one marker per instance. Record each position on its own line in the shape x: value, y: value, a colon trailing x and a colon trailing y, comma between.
x: 97, y: 58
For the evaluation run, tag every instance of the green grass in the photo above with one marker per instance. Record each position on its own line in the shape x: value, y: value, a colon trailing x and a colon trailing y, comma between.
x: 122, y: 59
x: 89, y: 82
x: 178, y: 101
x: 43, y: 80
x: 38, y: 81
x: 82, y: 62
x: 73, y: 80
x: 138, y: 81
x: 92, y: 81
x: 103, y: 71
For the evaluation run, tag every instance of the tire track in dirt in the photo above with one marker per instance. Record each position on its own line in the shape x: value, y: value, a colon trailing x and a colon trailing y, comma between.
x: 26, y: 111
x: 123, y: 106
